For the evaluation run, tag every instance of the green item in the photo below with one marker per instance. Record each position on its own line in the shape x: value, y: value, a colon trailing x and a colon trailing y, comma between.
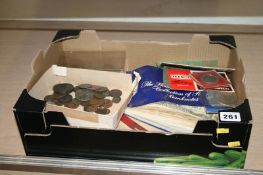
x: 165, y: 76
x: 192, y: 159
x: 216, y: 155
x: 233, y: 155
x: 197, y: 157
x: 243, y: 157
x: 213, y: 163
x: 208, y: 63
x: 173, y: 160
x: 230, y: 159
x: 236, y: 164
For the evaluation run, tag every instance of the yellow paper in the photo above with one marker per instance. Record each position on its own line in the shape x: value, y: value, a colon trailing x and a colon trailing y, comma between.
x: 234, y: 144
x: 222, y: 130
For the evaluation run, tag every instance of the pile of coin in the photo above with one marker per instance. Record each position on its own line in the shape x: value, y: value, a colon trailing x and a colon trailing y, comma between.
x: 93, y: 98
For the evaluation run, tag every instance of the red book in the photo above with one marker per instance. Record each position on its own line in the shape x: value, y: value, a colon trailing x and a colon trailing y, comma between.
x: 181, y: 80
x: 131, y: 123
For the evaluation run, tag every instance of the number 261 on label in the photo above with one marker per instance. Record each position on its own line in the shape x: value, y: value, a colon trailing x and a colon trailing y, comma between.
x: 230, y: 116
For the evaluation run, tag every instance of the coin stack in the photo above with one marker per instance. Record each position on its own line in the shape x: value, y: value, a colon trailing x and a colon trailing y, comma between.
x: 93, y: 98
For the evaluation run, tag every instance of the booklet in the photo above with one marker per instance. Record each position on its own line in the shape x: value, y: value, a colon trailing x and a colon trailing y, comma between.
x: 181, y: 79
x: 152, y: 89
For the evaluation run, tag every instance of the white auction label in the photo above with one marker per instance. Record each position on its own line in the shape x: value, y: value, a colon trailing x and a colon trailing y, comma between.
x: 230, y: 116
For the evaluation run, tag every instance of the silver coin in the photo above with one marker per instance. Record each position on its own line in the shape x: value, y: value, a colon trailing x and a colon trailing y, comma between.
x: 84, y: 94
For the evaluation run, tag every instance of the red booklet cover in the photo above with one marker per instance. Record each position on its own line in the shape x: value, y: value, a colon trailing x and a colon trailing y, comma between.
x: 209, y: 79
x: 181, y: 80
x: 131, y: 123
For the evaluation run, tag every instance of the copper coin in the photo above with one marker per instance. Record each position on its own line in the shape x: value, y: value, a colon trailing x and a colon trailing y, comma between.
x: 106, y: 93
x: 102, y: 89
x: 58, y: 103
x: 100, y: 102
x: 84, y: 103
x: 76, y: 88
x: 116, y: 99
x: 115, y: 93
x: 95, y: 87
x: 84, y: 86
x: 102, y: 110
x: 99, y: 95
x: 49, y: 99
x: 76, y: 101
x: 57, y: 96
x: 90, y: 108
x: 65, y: 99
x: 93, y: 101
x: 72, y: 104
x: 96, y: 105
x: 107, y: 103
x: 63, y: 88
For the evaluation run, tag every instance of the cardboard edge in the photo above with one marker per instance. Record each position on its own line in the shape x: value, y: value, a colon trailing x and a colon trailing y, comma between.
x: 93, y: 117
x: 243, y: 78
x: 244, y: 110
x: 62, y: 35
x: 226, y: 40
x: 52, y: 55
x: 113, y: 130
x: 27, y: 103
x: 110, y: 150
x: 21, y: 132
x: 207, y: 126
x: 220, y: 42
